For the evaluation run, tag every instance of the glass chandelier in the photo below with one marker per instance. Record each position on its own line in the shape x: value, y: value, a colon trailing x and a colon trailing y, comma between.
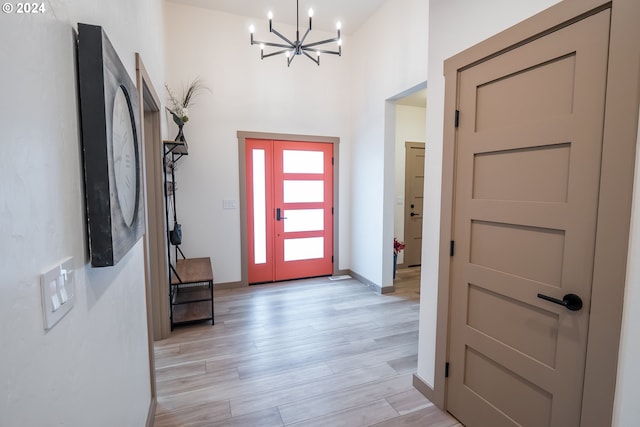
x: 291, y: 49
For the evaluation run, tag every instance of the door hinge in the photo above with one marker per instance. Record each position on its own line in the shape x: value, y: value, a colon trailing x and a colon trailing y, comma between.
x: 446, y: 370
x: 452, y: 246
x: 332, y: 259
x: 332, y: 161
x: 457, y: 119
x: 331, y: 210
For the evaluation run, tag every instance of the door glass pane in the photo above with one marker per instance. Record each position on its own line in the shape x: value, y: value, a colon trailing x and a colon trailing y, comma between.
x: 303, y: 191
x: 303, y: 220
x: 306, y: 248
x: 297, y: 161
x: 259, y: 208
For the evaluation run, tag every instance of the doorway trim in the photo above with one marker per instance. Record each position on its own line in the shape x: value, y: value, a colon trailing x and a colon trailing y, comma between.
x: 614, y: 207
x: 154, y: 232
x: 244, y: 248
x: 388, y: 220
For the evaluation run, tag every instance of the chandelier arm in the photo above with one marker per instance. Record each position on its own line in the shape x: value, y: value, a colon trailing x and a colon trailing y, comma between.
x: 305, y: 36
x: 280, y: 52
x: 285, y: 46
x: 330, y: 52
x: 316, y: 60
x: 320, y: 42
x: 290, y: 60
x: 274, y: 31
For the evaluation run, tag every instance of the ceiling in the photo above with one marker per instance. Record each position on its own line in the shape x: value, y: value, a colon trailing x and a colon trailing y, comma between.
x: 416, y: 99
x: 352, y: 14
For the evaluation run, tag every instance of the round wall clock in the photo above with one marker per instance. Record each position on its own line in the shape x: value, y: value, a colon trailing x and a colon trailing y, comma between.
x: 109, y: 117
x: 125, y: 156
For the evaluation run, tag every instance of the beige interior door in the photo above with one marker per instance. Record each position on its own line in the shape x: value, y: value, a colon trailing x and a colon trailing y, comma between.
x: 414, y: 196
x: 528, y: 157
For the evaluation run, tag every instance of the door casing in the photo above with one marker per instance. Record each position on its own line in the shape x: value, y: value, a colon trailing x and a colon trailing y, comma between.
x: 614, y: 207
x: 153, y: 238
x: 242, y: 137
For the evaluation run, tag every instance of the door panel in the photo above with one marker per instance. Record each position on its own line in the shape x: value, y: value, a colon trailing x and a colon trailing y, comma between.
x: 303, y: 188
x: 527, y: 184
x: 259, y: 155
x: 289, y: 209
x: 414, y: 197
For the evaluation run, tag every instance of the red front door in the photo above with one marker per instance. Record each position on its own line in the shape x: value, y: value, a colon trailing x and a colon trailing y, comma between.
x: 289, y: 209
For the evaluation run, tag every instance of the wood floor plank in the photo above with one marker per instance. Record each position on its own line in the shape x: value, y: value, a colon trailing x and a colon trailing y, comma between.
x: 431, y: 417
x: 195, y: 382
x: 267, y: 418
x: 344, y: 399
x: 308, y: 352
x: 195, y: 416
x: 374, y: 358
x: 309, y: 390
x: 364, y: 415
x: 181, y: 371
x: 404, y: 364
x: 224, y: 390
x: 408, y: 401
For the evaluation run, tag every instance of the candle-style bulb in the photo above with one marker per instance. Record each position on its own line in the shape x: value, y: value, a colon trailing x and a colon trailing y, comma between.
x: 252, y: 29
x: 310, y: 13
x: 270, y: 15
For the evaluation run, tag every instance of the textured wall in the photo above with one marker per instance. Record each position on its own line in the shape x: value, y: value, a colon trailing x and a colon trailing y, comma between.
x: 92, y: 368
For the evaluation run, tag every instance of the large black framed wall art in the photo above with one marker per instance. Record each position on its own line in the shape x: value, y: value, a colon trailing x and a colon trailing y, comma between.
x: 111, y: 147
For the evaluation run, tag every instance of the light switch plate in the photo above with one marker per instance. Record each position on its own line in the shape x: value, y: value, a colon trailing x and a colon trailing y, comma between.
x: 229, y: 204
x: 58, y: 291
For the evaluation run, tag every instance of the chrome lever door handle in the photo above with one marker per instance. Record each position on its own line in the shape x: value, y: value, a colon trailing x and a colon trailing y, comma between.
x: 571, y: 301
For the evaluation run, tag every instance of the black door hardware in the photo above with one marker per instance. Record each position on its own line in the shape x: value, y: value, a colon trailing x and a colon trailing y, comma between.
x: 571, y: 301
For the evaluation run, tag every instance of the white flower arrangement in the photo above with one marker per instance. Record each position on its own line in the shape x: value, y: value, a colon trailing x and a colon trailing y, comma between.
x: 179, y: 107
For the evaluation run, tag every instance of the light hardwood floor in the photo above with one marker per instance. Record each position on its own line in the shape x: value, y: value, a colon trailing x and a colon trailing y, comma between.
x: 312, y: 352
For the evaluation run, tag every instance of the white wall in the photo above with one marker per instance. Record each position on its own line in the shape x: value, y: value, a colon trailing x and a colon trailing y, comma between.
x: 410, y: 127
x: 389, y: 57
x: 247, y: 94
x: 253, y: 95
x: 626, y: 409
x: 92, y: 368
x: 454, y: 25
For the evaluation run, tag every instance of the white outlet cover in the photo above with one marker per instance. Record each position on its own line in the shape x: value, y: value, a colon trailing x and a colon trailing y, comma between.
x: 57, y: 300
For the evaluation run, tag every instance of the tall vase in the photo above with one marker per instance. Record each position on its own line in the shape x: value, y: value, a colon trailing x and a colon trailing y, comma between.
x: 180, y: 136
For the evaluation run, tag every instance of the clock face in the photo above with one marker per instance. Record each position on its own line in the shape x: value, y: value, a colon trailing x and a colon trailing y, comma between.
x: 124, y: 157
